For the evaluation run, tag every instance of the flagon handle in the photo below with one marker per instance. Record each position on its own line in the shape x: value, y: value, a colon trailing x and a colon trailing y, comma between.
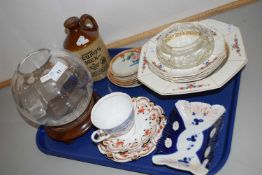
x: 88, y: 22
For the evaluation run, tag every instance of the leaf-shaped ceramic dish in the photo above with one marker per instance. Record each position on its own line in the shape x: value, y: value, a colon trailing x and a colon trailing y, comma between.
x: 190, y: 136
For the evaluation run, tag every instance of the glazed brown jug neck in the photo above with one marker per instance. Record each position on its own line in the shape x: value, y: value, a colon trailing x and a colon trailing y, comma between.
x: 74, y: 29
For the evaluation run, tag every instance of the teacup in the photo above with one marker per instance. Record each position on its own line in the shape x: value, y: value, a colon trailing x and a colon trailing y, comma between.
x: 113, y: 115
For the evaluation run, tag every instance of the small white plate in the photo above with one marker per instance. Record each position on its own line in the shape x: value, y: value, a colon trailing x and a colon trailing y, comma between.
x: 126, y: 62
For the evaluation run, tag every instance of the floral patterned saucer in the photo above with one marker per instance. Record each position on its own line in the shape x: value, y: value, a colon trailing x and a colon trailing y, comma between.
x: 123, y: 68
x: 126, y: 62
x: 149, y: 124
x: 190, y: 137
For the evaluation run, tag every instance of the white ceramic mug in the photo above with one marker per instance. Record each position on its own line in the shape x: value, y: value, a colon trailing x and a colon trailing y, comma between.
x: 113, y: 115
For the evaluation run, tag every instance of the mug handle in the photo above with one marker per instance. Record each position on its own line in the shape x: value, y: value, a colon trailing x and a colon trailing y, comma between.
x: 86, y: 19
x: 99, y: 135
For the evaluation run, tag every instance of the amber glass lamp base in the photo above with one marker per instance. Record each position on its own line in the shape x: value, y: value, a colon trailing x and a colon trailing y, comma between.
x: 70, y: 131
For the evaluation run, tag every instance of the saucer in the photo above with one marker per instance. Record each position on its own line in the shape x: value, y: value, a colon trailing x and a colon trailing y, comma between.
x: 126, y: 62
x: 123, y: 68
x: 126, y: 82
x: 149, y: 124
x: 190, y: 137
x: 127, y: 156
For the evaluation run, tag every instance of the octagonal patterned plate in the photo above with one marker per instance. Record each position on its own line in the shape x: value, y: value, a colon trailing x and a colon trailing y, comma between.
x: 236, y: 61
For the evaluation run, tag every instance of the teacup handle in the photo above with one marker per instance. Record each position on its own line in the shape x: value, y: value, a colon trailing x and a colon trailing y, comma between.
x: 99, y: 135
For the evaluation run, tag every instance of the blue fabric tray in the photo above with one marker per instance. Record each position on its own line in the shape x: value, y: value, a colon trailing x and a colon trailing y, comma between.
x: 83, y: 149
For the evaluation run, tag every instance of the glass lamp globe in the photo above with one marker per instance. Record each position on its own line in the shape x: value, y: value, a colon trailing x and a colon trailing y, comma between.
x: 52, y: 88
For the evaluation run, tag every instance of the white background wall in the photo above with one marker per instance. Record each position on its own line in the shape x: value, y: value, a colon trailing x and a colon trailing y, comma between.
x: 26, y: 25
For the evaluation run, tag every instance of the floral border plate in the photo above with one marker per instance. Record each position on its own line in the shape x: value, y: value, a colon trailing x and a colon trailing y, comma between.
x: 123, y: 68
x: 126, y: 63
x: 236, y: 61
x: 219, y: 50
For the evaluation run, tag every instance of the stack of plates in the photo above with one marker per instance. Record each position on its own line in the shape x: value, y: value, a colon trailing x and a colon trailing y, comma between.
x: 123, y: 68
x: 226, y: 59
x: 149, y: 124
x: 198, y: 72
